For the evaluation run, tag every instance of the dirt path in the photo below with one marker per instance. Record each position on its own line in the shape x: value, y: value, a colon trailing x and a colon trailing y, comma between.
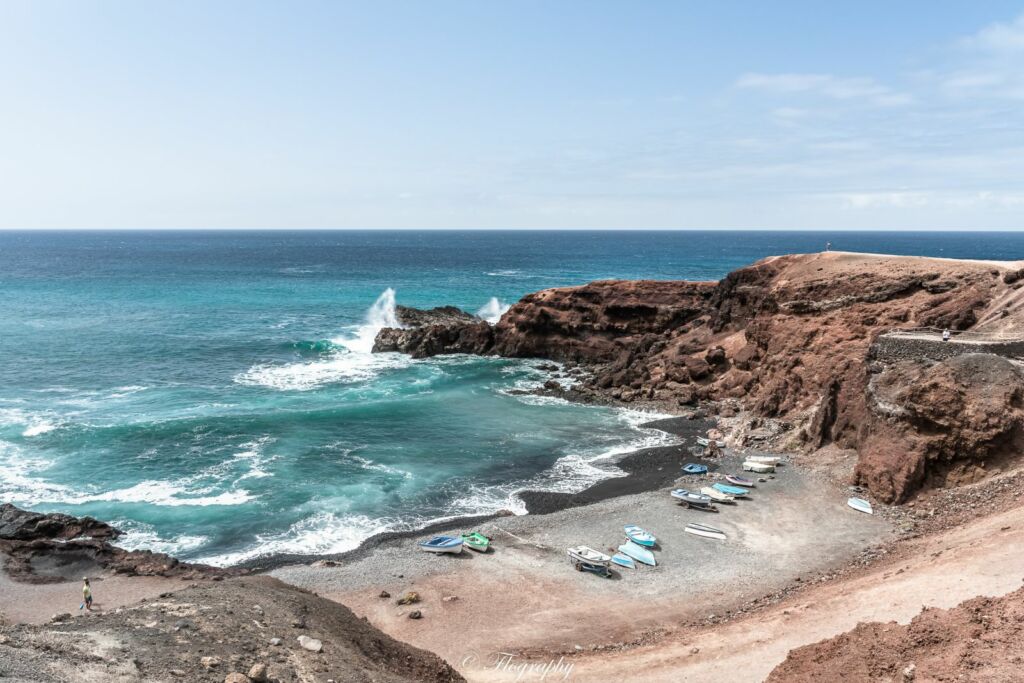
x: 26, y: 603
x: 983, y: 558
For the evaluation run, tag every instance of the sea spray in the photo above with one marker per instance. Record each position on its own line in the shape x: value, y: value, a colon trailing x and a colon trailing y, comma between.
x: 493, y: 310
x: 381, y: 314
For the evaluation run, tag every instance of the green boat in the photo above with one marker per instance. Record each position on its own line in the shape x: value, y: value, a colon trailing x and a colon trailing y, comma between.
x: 476, y: 541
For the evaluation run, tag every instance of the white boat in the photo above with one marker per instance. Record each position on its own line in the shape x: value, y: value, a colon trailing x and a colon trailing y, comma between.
x: 701, y: 441
x: 759, y: 467
x: 861, y: 505
x: 638, y: 553
x: 705, y: 531
x: 587, y: 555
x: 766, y: 459
x: 716, y: 495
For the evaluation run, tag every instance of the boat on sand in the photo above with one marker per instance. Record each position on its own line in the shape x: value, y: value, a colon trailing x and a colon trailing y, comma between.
x: 623, y: 561
x: 586, y: 559
x: 694, y: 468
x: 716, y: 495
x: 740, y: 481
x: 638, y: 553
x: 695, y: 500
x: 731, y: 490
x: 705, y: 531
x: 639, y: 536
x: 759, y: 467
x: 701, y: 441
x: 861, y: 505
x: 476, y: 541
x: 766, y: 459
x: 442, y: 544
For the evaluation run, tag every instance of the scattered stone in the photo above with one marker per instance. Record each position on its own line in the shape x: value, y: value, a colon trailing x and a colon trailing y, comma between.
x: 415, y: 614
x: 299, y: 623
x: 311, y: 644
x: 177, y: 673
x: 409, y: 598
x: 257, y: 609
x: 694, y: 650
x: 236, y: 678
x: 183, y: 625
x: 325, y: 563
x: 210, y: 662
x: 450, y: 598
x: 60, y: 617
x: 275, y: 641
x: 258, y: 673
x: 384, y: 594
x: 908, y: 672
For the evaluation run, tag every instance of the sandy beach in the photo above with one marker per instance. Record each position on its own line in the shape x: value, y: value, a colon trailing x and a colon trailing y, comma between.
x: 524, y: 596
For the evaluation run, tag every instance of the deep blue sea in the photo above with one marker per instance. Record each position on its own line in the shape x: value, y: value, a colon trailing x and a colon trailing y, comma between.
x: 213, y: 393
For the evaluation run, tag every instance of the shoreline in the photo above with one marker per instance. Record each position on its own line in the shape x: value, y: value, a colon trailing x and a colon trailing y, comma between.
x: 647, y: 469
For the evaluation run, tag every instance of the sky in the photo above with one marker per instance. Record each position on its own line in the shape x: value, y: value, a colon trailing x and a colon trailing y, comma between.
x: 527, y: 114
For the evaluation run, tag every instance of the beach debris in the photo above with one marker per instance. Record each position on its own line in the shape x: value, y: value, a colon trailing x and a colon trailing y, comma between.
x: 384, y: 594
x: 258, y: 673
x: 415, y: 614
x: 409, y: 598
x: 450, y: 598
x: 311, y: 644
x: 209, y: 662
x: 860, y: 505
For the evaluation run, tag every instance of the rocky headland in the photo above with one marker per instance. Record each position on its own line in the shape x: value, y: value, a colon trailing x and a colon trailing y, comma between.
x: 792, y: 343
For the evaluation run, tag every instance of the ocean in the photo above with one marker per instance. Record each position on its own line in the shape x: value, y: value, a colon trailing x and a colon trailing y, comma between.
x: 213, y: 393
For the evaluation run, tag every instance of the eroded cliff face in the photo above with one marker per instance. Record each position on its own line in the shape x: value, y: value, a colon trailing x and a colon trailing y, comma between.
x: 788, y: 337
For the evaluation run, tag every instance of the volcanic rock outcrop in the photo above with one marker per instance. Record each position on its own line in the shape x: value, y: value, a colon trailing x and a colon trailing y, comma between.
x: 44, y: 548
x: 979, y: 640
x: 789, y: 338
x: 434, y: 332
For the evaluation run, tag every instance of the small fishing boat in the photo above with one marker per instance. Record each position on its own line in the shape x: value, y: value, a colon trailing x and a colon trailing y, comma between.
x: 694, y: 468
x: 705, y: 531
x: 759, y: 467
x: 586, y: 559
x: 766, y: 459
x: 716, y: 495
x: 623, y: 561
x: 692, y: 499
x: 639, y: 536
x: 476, y: 541
x: 701, y: 441
x: 442, y: 544
x: 638, y: 553
x: 740, y: 481
x: 731, y: 490
x: 861, y: 505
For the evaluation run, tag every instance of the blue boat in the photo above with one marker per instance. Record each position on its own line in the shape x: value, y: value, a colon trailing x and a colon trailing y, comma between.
x: 695, y: 500
x: 731, y: 490
x: 694, y: 468
x: 623, y: 561
x: 442, y: 544
x: 638, y: 553
x: 639, y: 536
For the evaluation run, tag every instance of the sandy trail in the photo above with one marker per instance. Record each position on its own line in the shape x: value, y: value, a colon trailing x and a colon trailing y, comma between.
x: 29, y: 603
x: 984, y: 558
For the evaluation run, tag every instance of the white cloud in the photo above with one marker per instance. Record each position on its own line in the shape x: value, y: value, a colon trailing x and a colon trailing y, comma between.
x: 999, y: 38
x: 827, y: 85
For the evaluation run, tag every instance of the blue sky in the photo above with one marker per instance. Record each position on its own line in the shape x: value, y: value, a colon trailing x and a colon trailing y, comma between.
x: 517, y: 114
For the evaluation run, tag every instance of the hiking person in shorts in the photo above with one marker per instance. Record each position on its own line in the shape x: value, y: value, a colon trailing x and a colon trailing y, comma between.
x: 86, y: 594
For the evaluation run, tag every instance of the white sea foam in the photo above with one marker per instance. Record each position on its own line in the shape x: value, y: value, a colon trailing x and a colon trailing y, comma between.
x: 493, y: 310
x: 504, y: 273
x: 253, y: 453
x: 323, y: 533
x: 141, y: 536
x: 353, y: 361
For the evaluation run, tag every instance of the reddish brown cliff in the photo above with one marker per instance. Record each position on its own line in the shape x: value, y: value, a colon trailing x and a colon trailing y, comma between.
x: 788, y: 337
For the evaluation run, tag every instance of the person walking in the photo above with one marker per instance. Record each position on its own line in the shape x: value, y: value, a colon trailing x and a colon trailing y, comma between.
x: 86, y: 594
x: 945, y: 335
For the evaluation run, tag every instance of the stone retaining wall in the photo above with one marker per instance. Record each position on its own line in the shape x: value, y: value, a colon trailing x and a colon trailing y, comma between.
x: 898, y: 347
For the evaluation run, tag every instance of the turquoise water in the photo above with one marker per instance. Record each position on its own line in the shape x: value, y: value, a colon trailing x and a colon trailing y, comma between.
x: 214, y: 395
